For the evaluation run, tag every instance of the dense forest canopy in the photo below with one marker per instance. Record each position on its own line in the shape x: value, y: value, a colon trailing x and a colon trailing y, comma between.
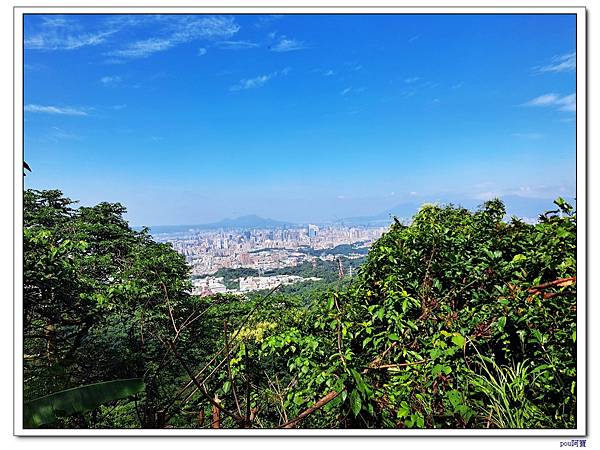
x: 458, y: 320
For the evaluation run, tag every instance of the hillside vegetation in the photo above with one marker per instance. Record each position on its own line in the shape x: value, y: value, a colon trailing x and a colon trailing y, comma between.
x: 459, y: 320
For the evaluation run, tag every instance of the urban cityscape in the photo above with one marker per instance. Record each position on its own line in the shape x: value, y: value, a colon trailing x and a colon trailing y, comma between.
x: 263, y: 250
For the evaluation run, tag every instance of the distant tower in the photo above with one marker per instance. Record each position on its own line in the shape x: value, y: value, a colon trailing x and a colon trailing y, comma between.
x: 340, y: 269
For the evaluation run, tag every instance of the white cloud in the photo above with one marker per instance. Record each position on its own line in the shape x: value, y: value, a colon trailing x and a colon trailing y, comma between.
x: 61, y: 40
x: 144, y: 48
x: 346, y: 91
x: 324, y: 72
x: 527, y: 191
x: 236, y: 45
x: 288, y: 45
x: 259, y: 81
x: 251, y: 83
x: 566, y: 103
x: 160, y: 32
x: 411, y: 80
x: 110, y: 80
x: 543, y: 100
x: 54, y: 21
x: 177, y: 31
x: 353, y: 66
x: 48, y: 109
x: 202, y: 51
x: 560, y: 63
x: 265, y: 20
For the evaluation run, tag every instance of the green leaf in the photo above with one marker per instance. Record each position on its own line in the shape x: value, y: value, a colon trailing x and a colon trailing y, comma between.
x: 48, y: 409
x: 519, y: 258
x: 298, y: 400
x: 501, y: 322
x: 404, y: 410
x: 355, y: 402
x: 458, y: 340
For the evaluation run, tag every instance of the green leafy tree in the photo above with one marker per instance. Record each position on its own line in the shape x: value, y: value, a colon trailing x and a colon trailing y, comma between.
x: 100, y: 301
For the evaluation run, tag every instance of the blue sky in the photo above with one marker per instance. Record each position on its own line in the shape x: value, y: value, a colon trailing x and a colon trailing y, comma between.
x: 188, y: 119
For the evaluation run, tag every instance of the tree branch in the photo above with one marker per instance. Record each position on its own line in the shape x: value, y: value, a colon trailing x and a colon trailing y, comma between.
x: 307, y: 412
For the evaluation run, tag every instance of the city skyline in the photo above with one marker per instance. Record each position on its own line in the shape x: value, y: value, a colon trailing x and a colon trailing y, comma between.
x: 191, y: 119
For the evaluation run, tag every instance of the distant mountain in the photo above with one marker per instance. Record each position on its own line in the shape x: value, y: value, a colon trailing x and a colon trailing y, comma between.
x: 523, y: 207
x: 249, y: 222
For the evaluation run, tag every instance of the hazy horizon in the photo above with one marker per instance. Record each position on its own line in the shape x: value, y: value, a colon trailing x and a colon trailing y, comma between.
x: 191, y: 119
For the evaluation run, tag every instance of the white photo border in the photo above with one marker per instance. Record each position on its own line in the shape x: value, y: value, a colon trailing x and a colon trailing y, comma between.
x: 581, y: 196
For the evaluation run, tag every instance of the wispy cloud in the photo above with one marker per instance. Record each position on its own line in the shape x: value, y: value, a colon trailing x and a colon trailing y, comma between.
x: 202, y: 51
x: 265, y: 20
x: 237, y: 45
x: 346, y: 91
x: 144, y: 48
x: 48, y: 109
x: 562, y: 103
x: 251, y: 83
x: 259, y: 81
x: 567, y: 103
x: 288, y: 45
x: 526, y: 191
x: 543, y: 100
x: 63, y: 33
x: 414, y: 38
x: 159, y: 32
x: 353, y: 66
x: 411, y: 80
x: 177, y: 31
x: 63, y: 40
x: 560, y: 63
x: 55, y: 21
x: 110, y: 80
x: 155, y: 33
x: 324, y: 72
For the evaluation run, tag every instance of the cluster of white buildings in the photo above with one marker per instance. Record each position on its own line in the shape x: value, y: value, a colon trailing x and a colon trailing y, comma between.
x: 208, y: 251
x: 215, y: 285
